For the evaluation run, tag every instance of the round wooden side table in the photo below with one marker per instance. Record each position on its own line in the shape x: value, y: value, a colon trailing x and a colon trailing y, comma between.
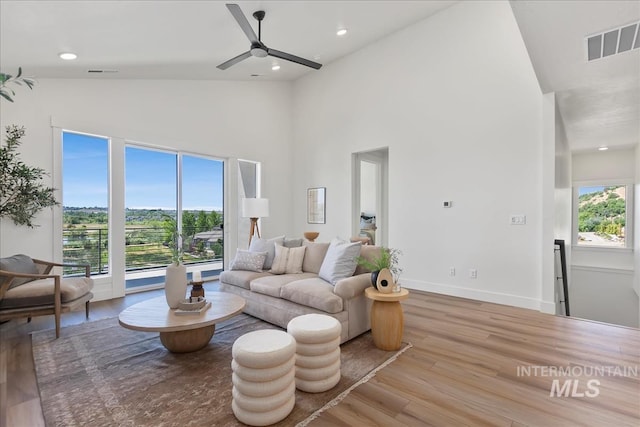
x: 387, y: 319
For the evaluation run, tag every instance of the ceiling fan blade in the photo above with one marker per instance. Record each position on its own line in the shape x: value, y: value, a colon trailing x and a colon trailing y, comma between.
x: 242, y: 21
x: 235, y: 60
x: 293, y: 58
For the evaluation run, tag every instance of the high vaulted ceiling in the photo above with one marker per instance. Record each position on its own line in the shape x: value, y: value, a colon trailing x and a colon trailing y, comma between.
x: 599, y: 101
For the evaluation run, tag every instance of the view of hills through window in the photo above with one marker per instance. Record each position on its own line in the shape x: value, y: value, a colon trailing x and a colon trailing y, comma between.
x: 602, y: 216
x: 151, y: 201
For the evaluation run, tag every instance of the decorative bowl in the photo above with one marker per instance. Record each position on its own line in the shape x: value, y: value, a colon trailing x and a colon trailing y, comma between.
x: 311, y: 235
x: 192, y: 303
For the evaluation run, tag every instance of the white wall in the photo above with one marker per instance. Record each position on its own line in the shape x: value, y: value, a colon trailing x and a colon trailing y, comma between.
x: 636, y: 285
x: 462, y: 117
x: 599, y: 166
x: 247, y: 120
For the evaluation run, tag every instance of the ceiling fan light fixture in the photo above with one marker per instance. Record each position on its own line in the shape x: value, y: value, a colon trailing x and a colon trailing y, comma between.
x: 259, y: 52
x: 68, y: 56
x: 603, y: 148
x: 341, y: 32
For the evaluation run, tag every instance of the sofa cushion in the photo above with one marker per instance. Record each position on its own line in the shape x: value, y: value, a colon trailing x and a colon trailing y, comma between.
x: 271, y: 284
x: 40, y: 292
x: 313, y: 256
x: 248, y: 261
x: 292, y: 243
x: 313, y: 292
x: 259, y: 244
x: 241, y: 278
x: 369, y: 253
x: 340, y: 260
x: 18, y: 264
x: 288, y: 260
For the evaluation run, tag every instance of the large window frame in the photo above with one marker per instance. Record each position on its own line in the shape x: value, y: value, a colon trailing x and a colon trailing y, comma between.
x: 111, y: 283
x: 629, y: 214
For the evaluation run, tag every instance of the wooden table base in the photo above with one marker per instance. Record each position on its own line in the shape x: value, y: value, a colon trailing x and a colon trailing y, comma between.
x: 387, y: 325
x: 187, y: 341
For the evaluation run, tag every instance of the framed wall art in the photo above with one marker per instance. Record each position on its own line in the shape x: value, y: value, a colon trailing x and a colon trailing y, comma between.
x: 316, y: 208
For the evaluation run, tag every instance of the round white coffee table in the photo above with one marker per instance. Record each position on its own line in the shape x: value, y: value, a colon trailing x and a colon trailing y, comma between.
x: 181, y: 334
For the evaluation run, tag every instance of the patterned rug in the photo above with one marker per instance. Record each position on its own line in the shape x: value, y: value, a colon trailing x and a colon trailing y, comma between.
x: 101, y: 374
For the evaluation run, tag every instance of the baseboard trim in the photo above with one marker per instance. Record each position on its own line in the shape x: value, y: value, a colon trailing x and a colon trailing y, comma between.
x: 481, y: 295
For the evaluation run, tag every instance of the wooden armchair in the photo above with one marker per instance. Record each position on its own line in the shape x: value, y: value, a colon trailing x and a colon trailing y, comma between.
x: 28, y: 289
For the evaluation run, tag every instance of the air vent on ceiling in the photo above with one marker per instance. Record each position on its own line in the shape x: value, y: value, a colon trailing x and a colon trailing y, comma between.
x: 101, y: 71
x: 614, y: 41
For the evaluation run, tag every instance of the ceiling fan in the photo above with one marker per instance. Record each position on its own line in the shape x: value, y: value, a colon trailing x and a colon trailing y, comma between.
x: 259, y: 49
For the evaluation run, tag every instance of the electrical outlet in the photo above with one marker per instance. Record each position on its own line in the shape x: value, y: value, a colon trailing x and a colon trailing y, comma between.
x: 518, y: 220
x: 452, y: 271
x: 473, y: 273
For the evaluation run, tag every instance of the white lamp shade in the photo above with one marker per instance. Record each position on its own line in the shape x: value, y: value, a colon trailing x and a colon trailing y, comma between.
x: 255, y: 208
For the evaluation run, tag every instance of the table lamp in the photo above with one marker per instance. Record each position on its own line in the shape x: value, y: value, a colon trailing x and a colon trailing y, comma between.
x: 254, y: 208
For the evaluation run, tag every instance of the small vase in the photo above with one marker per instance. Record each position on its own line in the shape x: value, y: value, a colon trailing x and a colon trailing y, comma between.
x: 175, y: 284
x: 382, y: 280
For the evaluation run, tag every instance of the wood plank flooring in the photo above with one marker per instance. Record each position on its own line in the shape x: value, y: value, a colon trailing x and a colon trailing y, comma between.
x: 466, y: 367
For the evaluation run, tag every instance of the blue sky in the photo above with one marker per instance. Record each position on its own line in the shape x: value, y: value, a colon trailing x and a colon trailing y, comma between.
x: 150, y: 177
x: 587, y: 190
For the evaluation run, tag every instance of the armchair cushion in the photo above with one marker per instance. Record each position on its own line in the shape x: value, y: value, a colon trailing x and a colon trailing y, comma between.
x: 18, y: 264
x: 40, y: 292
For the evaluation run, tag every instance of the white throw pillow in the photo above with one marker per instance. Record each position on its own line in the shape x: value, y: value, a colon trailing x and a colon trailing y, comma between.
x: 249, y: 261
x: 259, y: 244
x: 340, y: 260
x: 288, y: 260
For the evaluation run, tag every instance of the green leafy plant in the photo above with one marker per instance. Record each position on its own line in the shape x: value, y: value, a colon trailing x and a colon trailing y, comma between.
x: 173, y: 238
x: 22, y: 194
x: 389, y: 258
x: 6, y: 79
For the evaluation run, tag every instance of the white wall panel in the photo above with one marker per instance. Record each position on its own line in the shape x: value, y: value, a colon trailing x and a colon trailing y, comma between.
x: 462, y: 117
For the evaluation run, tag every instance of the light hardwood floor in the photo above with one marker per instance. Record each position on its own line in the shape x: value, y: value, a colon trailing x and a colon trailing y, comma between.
x: 463, y: 369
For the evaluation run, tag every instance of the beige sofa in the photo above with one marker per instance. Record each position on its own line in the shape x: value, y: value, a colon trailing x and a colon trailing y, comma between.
x: 279, y: 298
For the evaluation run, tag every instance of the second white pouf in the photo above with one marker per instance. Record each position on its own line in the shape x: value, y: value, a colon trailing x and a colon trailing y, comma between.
x: 317, y: 351
x: 263, y: 377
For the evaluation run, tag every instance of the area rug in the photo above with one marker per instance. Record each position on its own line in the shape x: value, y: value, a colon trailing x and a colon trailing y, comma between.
x: 101, y: 374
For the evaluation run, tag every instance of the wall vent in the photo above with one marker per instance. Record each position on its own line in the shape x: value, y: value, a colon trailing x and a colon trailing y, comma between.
x: 611, y: 42
x: 101, y: 71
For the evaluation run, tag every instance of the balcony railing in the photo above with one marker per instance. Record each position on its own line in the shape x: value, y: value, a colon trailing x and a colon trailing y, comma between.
x: 145, y: 248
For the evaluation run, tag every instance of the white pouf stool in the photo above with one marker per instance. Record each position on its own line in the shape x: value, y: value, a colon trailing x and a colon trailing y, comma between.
x: 263, y: 377
x: 317, y: 351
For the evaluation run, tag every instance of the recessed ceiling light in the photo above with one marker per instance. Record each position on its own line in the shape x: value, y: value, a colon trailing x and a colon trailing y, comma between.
x: 603, y: 148
x: 341, y: 32
x: 68, y: 56
x: 275, y: 67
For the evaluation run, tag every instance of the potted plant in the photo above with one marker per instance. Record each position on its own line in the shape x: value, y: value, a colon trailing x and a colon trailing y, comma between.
x: 22, y: 192
x: 385, y: 269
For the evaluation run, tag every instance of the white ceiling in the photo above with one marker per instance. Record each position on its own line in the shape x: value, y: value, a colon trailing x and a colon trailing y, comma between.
x: 600, y: 100
x: 162, y: 39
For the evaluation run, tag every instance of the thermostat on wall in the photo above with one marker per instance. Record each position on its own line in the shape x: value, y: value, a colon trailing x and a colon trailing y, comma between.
x: 447, y: 204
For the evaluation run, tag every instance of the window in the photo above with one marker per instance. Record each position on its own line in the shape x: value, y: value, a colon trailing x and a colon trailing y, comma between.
x: 85, y: 200
x: 150, y: 203
x: 166, y: 191
x: 122, y: 205
x: 202, y: 213
x: 603, y: 216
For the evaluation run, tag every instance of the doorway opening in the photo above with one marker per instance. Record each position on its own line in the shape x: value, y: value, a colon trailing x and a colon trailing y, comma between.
x: 370, y: 198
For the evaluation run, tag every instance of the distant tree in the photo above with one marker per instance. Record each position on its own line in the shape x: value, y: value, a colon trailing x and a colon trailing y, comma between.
x: 215, y: 219
x: 188, y: 224
x: 202, y: 222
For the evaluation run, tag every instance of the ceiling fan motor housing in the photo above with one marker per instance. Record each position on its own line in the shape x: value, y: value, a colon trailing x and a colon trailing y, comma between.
x: 259, y: 50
